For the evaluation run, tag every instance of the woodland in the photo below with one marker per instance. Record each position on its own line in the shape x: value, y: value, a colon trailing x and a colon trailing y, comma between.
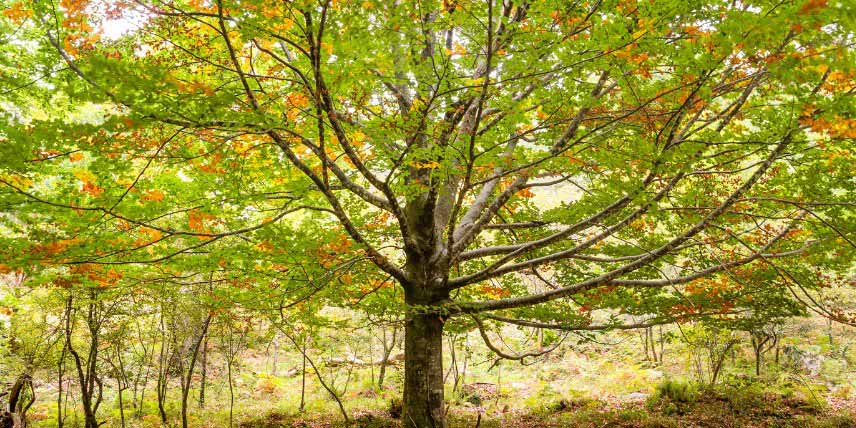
x: 427, y: 213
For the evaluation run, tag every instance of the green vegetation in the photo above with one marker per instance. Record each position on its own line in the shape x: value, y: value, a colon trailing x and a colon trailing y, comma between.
x: 428, y: 213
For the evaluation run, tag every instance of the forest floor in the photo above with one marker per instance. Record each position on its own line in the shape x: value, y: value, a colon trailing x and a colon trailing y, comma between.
x: 711, y: 410
x: 589, y: 385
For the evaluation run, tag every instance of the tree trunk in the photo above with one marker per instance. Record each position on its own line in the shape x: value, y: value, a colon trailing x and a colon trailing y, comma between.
x: 757, y: 363
x: 138, y: 409
x: 231, y: 393
x: 717, y: 366
x: 204, y: 373
x: 650, y: 332
x: 163, y: 371
x: 87, y: 377
x: 423, y: 372
x: 643, y: 338
x: 15, y: 414
x: 121, y: 403
x: 387, y: 351
x: 303, y: 377
x: 317, y: 372
x: 60, y: 419
x: 186, y: 382
x: 161, y: 390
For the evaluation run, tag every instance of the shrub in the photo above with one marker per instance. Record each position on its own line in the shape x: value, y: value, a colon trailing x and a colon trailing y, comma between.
x: 543, y: 400
x: 676, y: 391
x: 266, y: 385
x: 748, y: 399
x: 810, y: 398
x: 839, y: 421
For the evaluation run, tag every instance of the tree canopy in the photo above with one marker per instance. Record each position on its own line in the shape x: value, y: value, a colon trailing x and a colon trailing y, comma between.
x: 539, y: 163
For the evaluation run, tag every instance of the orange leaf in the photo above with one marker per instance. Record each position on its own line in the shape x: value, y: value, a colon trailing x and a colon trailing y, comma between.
x: 812, y: 5
x: 91, y: 189
x: 154, y: 195
x: 16, y: 13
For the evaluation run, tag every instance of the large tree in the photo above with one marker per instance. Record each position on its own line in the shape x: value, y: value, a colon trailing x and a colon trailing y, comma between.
x: 509, y: 161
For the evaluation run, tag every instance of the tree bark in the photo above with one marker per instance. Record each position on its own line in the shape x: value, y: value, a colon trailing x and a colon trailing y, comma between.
x: 15, y: 414
x: 757, y: 363
x: 86, y: 367
x: 303, y: 377
x: 717, y: 366
x: 121, y: 383
x: 121, y: 403
x: 163, y: 372
x: 60, y: 372
x: 204, y: 367
x: 423, y: 372
x: 231, y: 392
x: 186, y: 382
x: 387, y: 351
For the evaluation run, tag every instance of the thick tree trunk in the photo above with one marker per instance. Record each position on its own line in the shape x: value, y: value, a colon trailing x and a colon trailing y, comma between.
x: 423, y: 372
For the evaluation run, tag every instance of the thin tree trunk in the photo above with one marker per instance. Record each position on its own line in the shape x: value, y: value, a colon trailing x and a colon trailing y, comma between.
x: 757, y: 363
x: 185, y: 387
x: 387, y: 351
x: 717, y: 367
x: 303, y: 377
x: 467, y: 351
x: 758, y: 343
x: 231, y: 392
x: 829, y: 332
x: 275, y: 357
x: 161, y: 390
x: 138, y: 410
x: 86, y: 374
x: 453, y: 361
x: 318, y: 376
x: 163, y: 373
x: 121, y: 404
x: 652, y: 343
x: 121, y: 384
x: 643, y: 337
x: 372, y: 360
x: 204, y: 369
x: 60, y: 373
